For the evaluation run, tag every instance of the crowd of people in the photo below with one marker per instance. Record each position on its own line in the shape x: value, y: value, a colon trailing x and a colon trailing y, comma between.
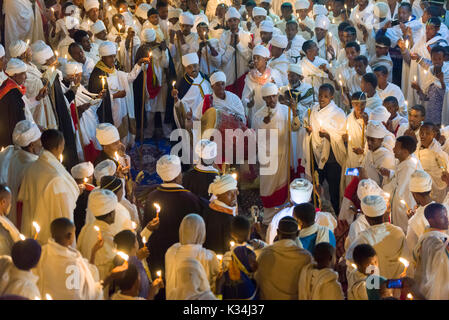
x: 355, y: 208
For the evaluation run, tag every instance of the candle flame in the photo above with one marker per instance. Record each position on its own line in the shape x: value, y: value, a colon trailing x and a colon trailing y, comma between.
x: 220, y: 257
x: 65, y: 56
x: 3, y: 148
x: 159, y: 273
x: 116, y: 156
x: 144, y: 240
x: 134, y: 225
x: 414, y: 78
x: 119, y: 27
x: 85, y: 180
x: 123, y: 255
x: 173, y: 83
x: 232, y: 243
x: 349, y: 138
x: 97, y: 228
x: 409, y: 296
x: 234, y: 175
x: 404, y: 262
x: 48, y: 296
x: 61, y: 158
x: 36, y: 226
x: 56, y: 53
x: 387, y: 195
x: 353, y: 265
x: 28, y: 42
x: 22, y: 237
x: 405, y: 102
x: 403, y: 201
x: 406, y: 43
x: 157, y: 206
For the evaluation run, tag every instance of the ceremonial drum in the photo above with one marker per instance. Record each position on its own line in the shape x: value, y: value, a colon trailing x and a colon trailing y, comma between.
x: 221, y: 120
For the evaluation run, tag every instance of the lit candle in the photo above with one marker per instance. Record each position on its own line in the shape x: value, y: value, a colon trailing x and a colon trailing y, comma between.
x: 354, y: 265
x: 102, y: 82
x: 85, y: 180
x: 406, y: 43
x: 234, y: 175
x: 65, y: 56
x: 232, y: 243
x: 405, y: 203
x: 99, y: 232
x: 56, y: 53
x: 158, y: 209
x: 134, y: 225
x: 61, y: 158
x: 387, y: 195
x: 406, y: 104
x: 37, y: 227
x: 405, y: 263
x: 48, y: 296
x: 414, y: 78
x: 159, y: 274
x: 123, y: 255
x: 22, y: 237
x: 119, y: 28
x: 409, y: 296
x: 349, y: 138
x: 144, y: 241
x: 173, y: 84
x: 116, y: 156
x: 3, y: 148
x: 28, y: 42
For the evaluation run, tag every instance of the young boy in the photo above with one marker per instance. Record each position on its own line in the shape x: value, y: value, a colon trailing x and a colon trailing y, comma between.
x: 369, y: 85
x: 396, y: 120
x: 382, y: 57
x: 365, y: 259
x: 385, y: 88
x: 295, y: 42
x: 318, y: 281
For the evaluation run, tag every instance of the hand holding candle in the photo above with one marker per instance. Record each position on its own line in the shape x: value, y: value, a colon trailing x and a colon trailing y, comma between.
x: 159, y: 274
x: 37, y: 227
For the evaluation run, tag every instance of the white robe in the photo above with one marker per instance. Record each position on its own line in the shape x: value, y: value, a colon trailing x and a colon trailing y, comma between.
x: 354, y: 130
x: 281, y: 65
x: 293, y: 54
x: 11, y: 235
x: 177, y: 50
x: 17, y: 282
x: 231, y: 104
x: 356, y: 285
x: 381, y: 158
x: 393, y: 90
x: 160, y: 64
x: 312, y: 74
x: 416, y: 227
x: 364, y: 17
x: 193, y: 99
x: 315, y: 284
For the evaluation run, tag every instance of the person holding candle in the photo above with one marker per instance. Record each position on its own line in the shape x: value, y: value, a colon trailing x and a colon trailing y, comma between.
x: 295, y: 42
x: 305, y: 22
x: 387, y: 89
x: 363, y: 18
x: 99, y: 32
x: 76, y: 52
x: 365, y: 260
x: 382, y: 115
x: 382, y: 58
x: 209, y: 51
x: 323, y: 38
x: 278, y: 59
x: 396, y: 120
x: 47, y: 191
x: 90, y: 49
x: 416, y: 117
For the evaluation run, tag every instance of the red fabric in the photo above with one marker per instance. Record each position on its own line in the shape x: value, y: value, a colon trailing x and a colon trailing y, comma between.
x: 89, y: 187
x: 351, y: 192
x: 237, y: 87
x: 297, y: 174
x: 396, y: 131
x: 153, y: 91
x: 276, y: 199
x: 207, y: 103
x: 8, y: 85
x: 90, y: 153
x: 74, y: 117
x: 19, y: 207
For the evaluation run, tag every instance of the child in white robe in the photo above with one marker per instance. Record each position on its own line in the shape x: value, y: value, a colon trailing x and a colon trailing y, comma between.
x: 365, y: 258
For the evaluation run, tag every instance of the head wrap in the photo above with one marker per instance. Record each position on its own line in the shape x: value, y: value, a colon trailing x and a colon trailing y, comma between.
x: 232, y: 13
x: 25, y: 132
x: 200, y: 19
x: 190, y: 58
x: 168, y: 167
x: 279, y: 41
x: 71, y: 22
x: 267, y: 26
x: 373, y: 206
x: 148, y: 35
x: 319, y: 9
x: 420, y: 181
x: 266, y: 1
x: 322, y: 22
x: 206, y: 149
x: 259, y: 11
x: 296, y: 68
x: 142, y: 10
x: 174, y: 13
x: 269, y: 89
x: 82, y: 170
x: 15, y: 66
x: 368, y: 187
x: 375, y: 129
x: 17, y: 48
x: 104, y: 168
x: 260, y: 50
x: 107, y: 48
x: 222, y: 184
x: 288, y: 225
x: 302, y: 4
x: 91, y: 4
x: 101, y: 202
x: 71, y: 9
x: 301, y: 190
x: 97, y: 27
x: 186, y: 18
x: 218, y: 76
x: 381, y: 9
x: 107, y: 134
x: 380, y: 113
x: 73, y: 67
x: 192, y: 230
x: 41, y: 52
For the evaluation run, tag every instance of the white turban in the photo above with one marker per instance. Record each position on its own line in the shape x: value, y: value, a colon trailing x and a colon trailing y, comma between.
x: 260, y: 50
x: 104, y: 168
x: 258, y: 11
x: 25, y: 132
x: 148, y: 35
x: 142, y: 10
x: 82, y: 170
x: 375, y: 129
x: 71, y: 9
x: 267, y: 26
x: 368, y: 187
x: 186, y: 18
x: 279, y: 41
x: 373, y: 206
x: 420, y: 181
x: 41, y: 52
x: 101, y: 202
x: 17, y: 48
x: 2, y: 51
x: 319, y: 9
x: 168, y: 167
x: 301, y: 190
x: 174, y: 13
x: 15, y: 66
x: 302, y: 4
x: 380, y: 113
x: 222, y: 184
x: 199, y: 19
x: 71, y: 22
x: 190, y: 58
x: 232, y: 13
x: 97, y: 27
x: 73, y: 67
x: 91, y: 4
x: 107, y: 48
x: 107, y: 134
x: 381, y: 9
x: 269, y: 89
x: 206, y: 149
x: 218, y: 76
x: 296, y: 68
x: 322, y: 22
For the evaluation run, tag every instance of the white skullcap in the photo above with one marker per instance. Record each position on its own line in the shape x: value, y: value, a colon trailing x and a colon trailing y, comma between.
x: 259, y: 11
x: 200, y: 19
x: 142, y: 10
x: 232, y: 13
x: 41, y: 52
x: 218, y: 76
x: 260, y: 50
x: 91, y: 4
x: 279, y: 41
x: 322, y: 22
x: 190, y: 58
x: 269, y: 89
x: 373, y: 206
x: 148, y: 35
x: 107, y: 134
x: 71, y: 22
x: 206, y: 149
x: 73, y: 67
x: 222, y: 184
x: 375, y: 129
x: 107, y: 48
x: 380, y: 113
x: 267, y: 26
x: 97, y: 27
x: 302, y: 4
x: 174, y: 13
x: 15, y: 66
x: 319, y: 9
x: 70, y: 9
x: 82, y: 170
x: 301, y: 190
x: 381, y: 9
x: 104, y: 168
x: 17, y: 48
x: 420, y: 181
x: 2, y: 51
x: 101, y: 202
x: 25, y: 132
x: 368, y: 187
x: 186, y: 18
x: 168, y: 167
x: 296, y: 68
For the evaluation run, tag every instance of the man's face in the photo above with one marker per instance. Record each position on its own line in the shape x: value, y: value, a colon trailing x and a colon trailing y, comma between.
x: 193, y: 70
x: 220, y: 11
x: 260, y: 62
x: 302, y: 13
x: 415, y: 119
x: 392, y: 109
x: 185, y: 29
x: 398, y: 151
x: 359, y: 108
x: 426, y: 135
x: 320, y: 33
x: 219, y: 88
x: 437, y: 59
x: 381, y: 78
x: 271, y: 101
x: 193, y: 5
x: 403, y: 14
x: 20, y: 78
x: 85, y: 42
x: 362, y: 4
x: 348, y: 37
x: 259, y: 19
x: 291, y: 30
x: 367, y: 266
x: 324, y: 97
x: 381, y: 51
x: 163, y: 13
x: 233, y: 23
x: 202, y: 32
x: 109, y: 60
x: 351, y: 53
x: 336, y: 6
x: 293, y: 78
x: 5, y: 204
x: 102, y: 35
x: 276, y: 52
x: 78, y: 54
x: 313, y: 50
x: 229, y: 197
x: 374, y: 143
x: 425, y: 16
x: 360, y: 68
x: 249, y: 10
x: 93, y: 14
x: 431, y: 31
x: 154, y: 19
x: 286, y: 12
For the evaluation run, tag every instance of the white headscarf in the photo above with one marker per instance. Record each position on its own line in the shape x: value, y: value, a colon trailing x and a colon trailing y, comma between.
x: 25, y: 132
x: 222, y: 184
x: 192, y: 230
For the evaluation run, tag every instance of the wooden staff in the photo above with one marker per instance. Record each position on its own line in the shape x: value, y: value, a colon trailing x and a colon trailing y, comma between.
x: 131, y: 45
x: 289, y: 150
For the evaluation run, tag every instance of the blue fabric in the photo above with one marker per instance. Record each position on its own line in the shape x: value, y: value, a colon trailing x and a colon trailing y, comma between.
x: 309, y: 242
x: 144, y: 281
x: 435, y: 104
x: 374, y: 294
